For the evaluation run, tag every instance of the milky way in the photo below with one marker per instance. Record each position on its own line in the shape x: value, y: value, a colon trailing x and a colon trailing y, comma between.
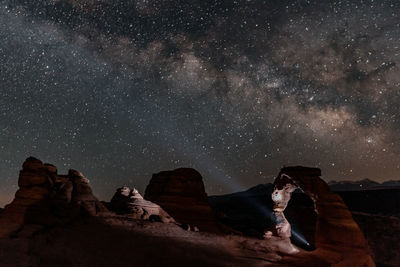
x: 236, y: 89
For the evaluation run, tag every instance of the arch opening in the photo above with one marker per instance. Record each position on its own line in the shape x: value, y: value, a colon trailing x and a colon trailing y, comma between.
x: 294, y: 213
x: 303, y: 220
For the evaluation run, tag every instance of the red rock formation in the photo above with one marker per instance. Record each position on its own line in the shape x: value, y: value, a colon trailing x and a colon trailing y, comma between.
x: 45, y: 198
x: 336, y: 230
x: 181, y: 193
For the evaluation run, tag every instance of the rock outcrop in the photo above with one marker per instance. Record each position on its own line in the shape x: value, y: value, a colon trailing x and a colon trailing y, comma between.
x: 181, y: 193
x: 336, y: 230
x: 46, y: 198
x: 129, y: 202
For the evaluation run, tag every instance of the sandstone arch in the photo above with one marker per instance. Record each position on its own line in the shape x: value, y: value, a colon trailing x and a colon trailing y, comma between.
x: 335, y: 229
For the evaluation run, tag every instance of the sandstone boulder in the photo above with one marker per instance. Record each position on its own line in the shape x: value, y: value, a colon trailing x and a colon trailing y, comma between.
x: 32, y: 164
x: 181, y: 193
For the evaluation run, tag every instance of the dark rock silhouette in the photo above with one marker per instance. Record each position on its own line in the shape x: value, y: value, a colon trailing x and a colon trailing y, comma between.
x: 383, y: 202
x: 383, y: 235
x: 248, y: 212
x: 181, y: 193
x: 46, y: 198
x: 129, y: 202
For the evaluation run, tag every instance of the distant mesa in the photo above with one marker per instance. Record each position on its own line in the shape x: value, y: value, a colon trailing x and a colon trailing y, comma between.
x: 391, y: 183
x: 365, y: 184
x: 181, y: 193
x: 353, y: 185
x: 129, y: 202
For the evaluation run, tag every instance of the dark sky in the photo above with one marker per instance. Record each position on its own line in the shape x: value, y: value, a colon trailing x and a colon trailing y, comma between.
x: 236, y: 89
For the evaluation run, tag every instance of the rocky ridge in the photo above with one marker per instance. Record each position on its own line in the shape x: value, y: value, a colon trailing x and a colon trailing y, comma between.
x: 46, y: 198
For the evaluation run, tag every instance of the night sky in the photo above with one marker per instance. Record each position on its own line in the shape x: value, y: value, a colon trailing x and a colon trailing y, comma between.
x: 235, y: 89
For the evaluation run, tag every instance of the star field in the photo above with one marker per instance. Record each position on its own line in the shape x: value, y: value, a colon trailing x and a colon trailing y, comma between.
x: 235, y: 89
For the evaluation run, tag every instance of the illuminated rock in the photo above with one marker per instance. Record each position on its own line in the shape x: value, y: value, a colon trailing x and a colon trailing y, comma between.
x: 281, y: 196
x: 131, y: 203
x: 336, y: 230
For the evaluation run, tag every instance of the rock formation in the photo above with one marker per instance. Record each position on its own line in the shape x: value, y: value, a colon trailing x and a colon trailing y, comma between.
x: 181, y: 193
x: 336, y: 229
x: 129, y: 202
x: 46, y: 198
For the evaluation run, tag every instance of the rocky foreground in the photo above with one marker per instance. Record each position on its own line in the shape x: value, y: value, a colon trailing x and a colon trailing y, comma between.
x: 55, y: 220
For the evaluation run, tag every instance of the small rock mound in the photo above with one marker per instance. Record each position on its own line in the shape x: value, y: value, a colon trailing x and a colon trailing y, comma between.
x: 181, y: 193
x: 129, y: 202
x: 46, y: 198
